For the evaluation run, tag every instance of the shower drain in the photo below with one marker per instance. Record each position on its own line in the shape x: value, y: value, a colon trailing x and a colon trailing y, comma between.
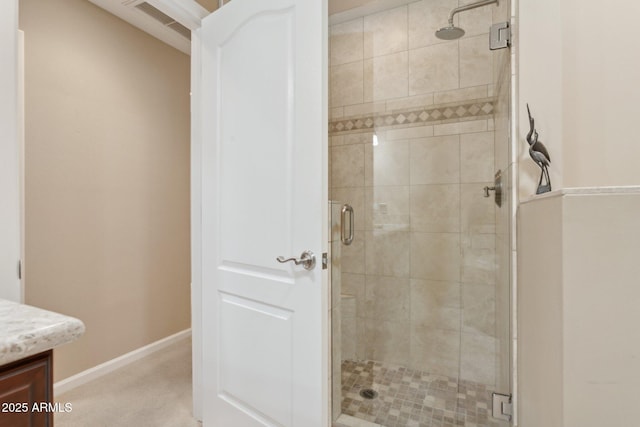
x: 368, y: 393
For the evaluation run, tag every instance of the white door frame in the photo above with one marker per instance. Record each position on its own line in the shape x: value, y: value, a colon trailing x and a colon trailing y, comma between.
x: 10, y: 214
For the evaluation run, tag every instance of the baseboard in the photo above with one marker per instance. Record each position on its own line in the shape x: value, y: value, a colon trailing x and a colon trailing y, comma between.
x: 113, y: 364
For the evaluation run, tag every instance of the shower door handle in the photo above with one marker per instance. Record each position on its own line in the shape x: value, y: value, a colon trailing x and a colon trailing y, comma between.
x: 307, y: 259
x: 347, y: 240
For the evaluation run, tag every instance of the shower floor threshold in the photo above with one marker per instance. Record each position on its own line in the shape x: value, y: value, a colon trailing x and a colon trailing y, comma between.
x: 411, y: 398
x: 349, y: 421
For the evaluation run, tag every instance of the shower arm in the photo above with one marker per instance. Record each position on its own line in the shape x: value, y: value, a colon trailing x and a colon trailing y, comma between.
x: 469, y: 7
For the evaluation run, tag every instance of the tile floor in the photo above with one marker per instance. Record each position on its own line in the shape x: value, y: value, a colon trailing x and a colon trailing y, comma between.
x: 409, y: 398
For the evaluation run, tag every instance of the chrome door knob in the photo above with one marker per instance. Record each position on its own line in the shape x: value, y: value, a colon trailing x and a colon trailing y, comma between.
x: 307, y: 259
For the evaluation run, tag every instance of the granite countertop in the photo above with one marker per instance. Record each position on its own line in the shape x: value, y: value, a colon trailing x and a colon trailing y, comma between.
x: 27, y: 330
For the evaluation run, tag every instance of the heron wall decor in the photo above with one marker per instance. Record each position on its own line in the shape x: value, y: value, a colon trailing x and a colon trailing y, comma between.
x: 540, y: 155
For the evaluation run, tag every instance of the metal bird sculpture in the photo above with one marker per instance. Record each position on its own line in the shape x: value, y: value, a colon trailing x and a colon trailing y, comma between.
x: 540, y: 155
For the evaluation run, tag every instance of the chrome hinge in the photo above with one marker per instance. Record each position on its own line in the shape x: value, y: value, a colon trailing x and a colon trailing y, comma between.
x: 325, y: 261
x: 19, y: 269
x: 500, y: 36
x: 501, y: 406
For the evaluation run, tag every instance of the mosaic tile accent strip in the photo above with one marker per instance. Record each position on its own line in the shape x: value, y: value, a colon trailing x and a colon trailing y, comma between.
x: 414, y: 116
x: 412, y: 398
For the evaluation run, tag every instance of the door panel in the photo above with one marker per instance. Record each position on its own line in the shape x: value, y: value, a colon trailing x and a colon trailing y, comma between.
x: 269, y: 376
x: 249, y: 152
x: 264, y: 191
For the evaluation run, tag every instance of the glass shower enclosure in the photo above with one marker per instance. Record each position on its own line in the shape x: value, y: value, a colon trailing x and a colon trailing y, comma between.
x: 421, y: 296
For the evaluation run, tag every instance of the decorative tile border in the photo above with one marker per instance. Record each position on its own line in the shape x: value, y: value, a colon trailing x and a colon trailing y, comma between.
x: 432, y: 114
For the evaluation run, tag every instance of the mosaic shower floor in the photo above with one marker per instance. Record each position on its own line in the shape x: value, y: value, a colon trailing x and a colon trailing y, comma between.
x: 410, y: 398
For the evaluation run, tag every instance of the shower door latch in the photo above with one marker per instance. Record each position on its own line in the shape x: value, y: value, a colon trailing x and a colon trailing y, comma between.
x: 500, y: 36
x: 501, y: 406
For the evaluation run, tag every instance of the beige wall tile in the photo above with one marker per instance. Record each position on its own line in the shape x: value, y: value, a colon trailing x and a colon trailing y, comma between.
x: 425, y: 18
x: 387, y: 253
x: 477, y: 213
x: 476, y: 157
x: 478, y: 359
x: 353, y: 285
x: 439, y: 292
x: 386, y: 77
x: 476, y: 66
x: 387, y: 298
x: 464, y: 94
x: 387, y: 164
x: 336, y: 274
x: 460, y: 127
x: 433, y: 68
x: 435, y: 256
x: 348, y: 328
x: 500, y: 11
x: 358, y: 138
x: 491, y: 124
x: 476, y: 21
x: 336, y: 113
x: 347, y: 84
x: 353, y: 256
x: 418, y: 101
x: 409, y: 133
x: 435, y: 160
x: 388, y: 205
x: 335, y: 140
x: 411, y: 181
x: 347, y: 166
x: 336, y: 355
x: 336, y: 332
x: 385, y: 32
x: 479, y: 307
x: 435, y: 304
x: 435, y: 350
x: 388, y: 341
x: 364, y: 109
x: 346, y: 42
x: 435, y: 208
x: 478, y: 265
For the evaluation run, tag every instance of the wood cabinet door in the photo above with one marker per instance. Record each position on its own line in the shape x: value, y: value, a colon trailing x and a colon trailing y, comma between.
x: 23, y: 384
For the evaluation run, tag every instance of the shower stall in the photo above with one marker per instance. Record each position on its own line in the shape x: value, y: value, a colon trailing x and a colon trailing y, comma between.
x: 419, y: 132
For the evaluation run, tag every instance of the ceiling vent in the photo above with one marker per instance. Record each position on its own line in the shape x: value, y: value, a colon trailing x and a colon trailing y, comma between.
x: 164, y: 19
x: 168, y: 20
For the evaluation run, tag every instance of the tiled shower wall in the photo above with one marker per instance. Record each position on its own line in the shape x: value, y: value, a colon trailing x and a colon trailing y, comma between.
x: 422, y: 267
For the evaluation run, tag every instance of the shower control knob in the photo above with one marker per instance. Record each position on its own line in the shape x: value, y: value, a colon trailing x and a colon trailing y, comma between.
x: 307, y: 259
x: 487, y: 189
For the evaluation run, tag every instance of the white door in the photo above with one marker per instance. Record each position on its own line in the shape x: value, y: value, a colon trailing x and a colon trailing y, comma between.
x: 264, y: 195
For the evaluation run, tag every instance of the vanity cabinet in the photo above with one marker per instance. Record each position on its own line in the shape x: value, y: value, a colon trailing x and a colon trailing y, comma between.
x: 26, y: 387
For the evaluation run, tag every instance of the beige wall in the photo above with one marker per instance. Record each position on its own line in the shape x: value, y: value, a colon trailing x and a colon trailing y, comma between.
x: 422, y: 265
x: 578, y: 309
x: 578, y: 74
x: 107, y: 179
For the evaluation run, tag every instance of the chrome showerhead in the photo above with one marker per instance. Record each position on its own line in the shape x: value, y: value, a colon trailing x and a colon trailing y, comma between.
x: 449, y: 33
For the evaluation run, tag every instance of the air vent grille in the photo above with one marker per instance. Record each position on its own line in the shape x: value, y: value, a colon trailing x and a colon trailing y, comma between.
x: 164, y: 19
x: 178, y: 27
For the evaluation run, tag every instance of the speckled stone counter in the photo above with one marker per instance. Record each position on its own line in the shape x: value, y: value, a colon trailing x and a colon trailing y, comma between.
x: 27, y: 330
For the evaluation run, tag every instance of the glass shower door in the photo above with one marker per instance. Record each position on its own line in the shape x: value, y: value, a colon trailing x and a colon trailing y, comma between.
x: 426, y: 283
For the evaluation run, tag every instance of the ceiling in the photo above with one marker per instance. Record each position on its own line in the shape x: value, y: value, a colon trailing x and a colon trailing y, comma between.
x: 164, y: 21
